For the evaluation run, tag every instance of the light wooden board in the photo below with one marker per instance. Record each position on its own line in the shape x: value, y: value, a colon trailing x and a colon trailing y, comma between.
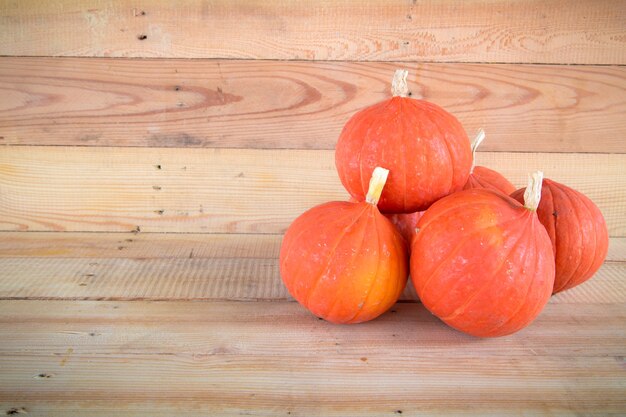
x: 154, y: 245
x: 166, y: 245
x: 270, y: 104
x: 205, y: 279
x: 228, y: 190
x: 553, y: 31
x: 273, y: 359
x: 222, y: 328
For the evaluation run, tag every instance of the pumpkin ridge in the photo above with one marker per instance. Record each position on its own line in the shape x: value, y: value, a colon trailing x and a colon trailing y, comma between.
x: 451, y: 165
x: 429, y: 112
x: 369, y: 290
x: 539, y: 307
x: 458, y: 247
x: 331, y: 255
x: 403, y: 130
x: 305, y: 230
x: 469, y: 203
x: 462, y: 308
x: 366, y: 136
x: 522, y: 304
x: 564, y: 199
x: 595, y: 243
x: 340, y: 289
x: 599, y: 229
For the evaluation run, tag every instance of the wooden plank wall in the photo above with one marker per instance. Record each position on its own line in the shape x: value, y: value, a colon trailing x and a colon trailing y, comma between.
x: 153, y: 153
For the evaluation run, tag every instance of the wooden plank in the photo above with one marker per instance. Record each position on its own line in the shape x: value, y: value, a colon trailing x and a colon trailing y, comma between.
x: 166, y: 245
x: 205, y: 279
x: 222, y: 328
x: 144, y: 245
x: 228, y: 190
x: 251, y: 104
x: 217, y: 358
x: 238, y: 384
x: 554, y: 31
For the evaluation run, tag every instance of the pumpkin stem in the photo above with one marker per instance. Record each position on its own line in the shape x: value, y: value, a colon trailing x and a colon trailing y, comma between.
x: 399, y: 87
x: 532, y: 195
x: 377, y: 182
x: 480, y: 136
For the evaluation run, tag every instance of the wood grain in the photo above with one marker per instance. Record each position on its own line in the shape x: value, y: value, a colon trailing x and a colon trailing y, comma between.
x: 273, y: 359
x: 205, y: 279
x: 166, y: 245
x: 222, y: 328
x: 553, y: 31
x: 252, y: 104
x: 149, y: 245
x: 228, y: 190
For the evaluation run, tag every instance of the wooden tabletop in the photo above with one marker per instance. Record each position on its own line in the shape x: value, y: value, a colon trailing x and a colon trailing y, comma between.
x: 154, y: 329
x: 152, y: 155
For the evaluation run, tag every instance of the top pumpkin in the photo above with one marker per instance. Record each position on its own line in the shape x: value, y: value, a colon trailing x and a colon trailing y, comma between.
x: 423, y: 146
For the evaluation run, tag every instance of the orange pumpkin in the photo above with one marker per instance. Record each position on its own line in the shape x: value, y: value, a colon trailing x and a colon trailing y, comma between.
x: 580, y: 239
x: 482, y: 262
x: 406, y: 223
x: 424, y: 147
x: 483, y: 177
x: 345, y: 261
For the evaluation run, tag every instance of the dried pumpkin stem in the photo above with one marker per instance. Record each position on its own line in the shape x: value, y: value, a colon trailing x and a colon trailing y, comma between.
x: 480, y: 136
x: 377, y: 183
x: 532, y: 195
x: 399, y: 87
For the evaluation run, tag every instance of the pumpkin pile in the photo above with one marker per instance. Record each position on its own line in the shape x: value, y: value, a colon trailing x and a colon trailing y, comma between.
x: 483, y: 257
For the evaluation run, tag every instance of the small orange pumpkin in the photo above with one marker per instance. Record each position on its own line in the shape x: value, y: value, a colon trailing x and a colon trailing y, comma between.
x: 406, y: 223
x: 345, y: 261
x: 482, y: 262
x: 483, y: 177
x: 578, y: 232
x: 425, y: 148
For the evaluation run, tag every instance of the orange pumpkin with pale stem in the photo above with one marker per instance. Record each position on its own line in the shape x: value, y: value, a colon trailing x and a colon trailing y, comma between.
x: 482, y: 262
x: 345, y: 261
x: 580, y: 239
x: 483, y: 177
x: 424, y: 147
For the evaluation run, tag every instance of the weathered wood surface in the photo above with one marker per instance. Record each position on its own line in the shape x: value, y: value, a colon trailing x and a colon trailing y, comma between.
x: 552, y: 31
x: 270, y: 104
x: 166, y: 245
x: 228, y: 190
x: 226, y: 358
x: 246, y: 279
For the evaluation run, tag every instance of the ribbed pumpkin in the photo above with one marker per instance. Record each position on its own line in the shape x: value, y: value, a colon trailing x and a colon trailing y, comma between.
x: 406, y: 223
x: 424, y: 147
x: 483, y: 177
x: 578, y: 232
x: 345, y: 261
x: 482, y: 262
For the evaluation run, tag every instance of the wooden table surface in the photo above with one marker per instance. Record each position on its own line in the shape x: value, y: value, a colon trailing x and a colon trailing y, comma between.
x: 152, y: 155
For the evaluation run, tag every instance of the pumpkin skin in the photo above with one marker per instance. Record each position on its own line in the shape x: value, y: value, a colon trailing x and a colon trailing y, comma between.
x: 344, y: 261
x: 424, y: 147
x: 483, y: 177
x: 577, y: 229
x: 482, y: 263
x: 406, y: 224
